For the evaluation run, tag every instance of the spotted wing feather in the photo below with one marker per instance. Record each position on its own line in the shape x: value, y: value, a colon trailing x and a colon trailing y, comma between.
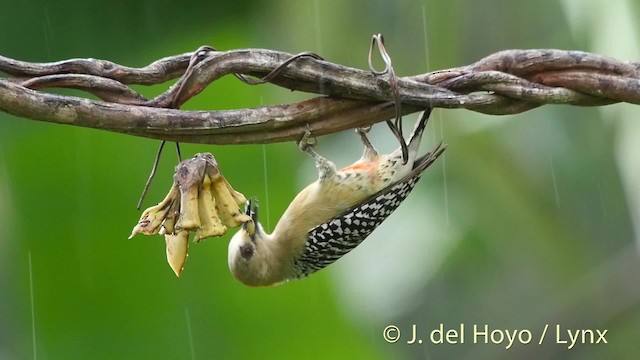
x: 330, y: 241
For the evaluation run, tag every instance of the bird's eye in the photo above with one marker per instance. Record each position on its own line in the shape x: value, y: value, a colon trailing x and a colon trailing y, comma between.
x: 246, y: 251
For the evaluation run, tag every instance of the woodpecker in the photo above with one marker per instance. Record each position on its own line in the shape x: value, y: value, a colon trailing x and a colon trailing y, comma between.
x: 331, y: 216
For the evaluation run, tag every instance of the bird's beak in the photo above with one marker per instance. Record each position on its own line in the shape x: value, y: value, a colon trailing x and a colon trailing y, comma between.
x: 254, y: 211
x: 251, y: 211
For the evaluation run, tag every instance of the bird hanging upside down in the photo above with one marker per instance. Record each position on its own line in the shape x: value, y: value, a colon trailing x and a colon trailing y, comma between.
x: 331, y: 216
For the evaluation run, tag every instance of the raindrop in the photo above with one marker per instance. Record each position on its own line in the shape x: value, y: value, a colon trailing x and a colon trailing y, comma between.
x: 555, y: 184
x: 189, y: 332
x: 33, y: 311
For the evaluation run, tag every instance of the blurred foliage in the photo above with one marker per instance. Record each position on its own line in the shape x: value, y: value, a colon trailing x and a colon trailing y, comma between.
x: 531, y: 209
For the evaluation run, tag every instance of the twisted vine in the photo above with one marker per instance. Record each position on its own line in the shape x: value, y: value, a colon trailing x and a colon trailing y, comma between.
x: 506, y: 82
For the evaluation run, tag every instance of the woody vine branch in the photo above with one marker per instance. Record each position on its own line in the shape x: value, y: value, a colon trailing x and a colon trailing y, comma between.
x: 506, y: 82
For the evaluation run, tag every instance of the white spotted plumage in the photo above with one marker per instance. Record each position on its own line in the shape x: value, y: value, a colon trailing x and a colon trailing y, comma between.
x: 347, y: 231
x: 331, y: 216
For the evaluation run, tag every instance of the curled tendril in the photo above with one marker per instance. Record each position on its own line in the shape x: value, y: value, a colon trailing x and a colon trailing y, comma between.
x: 275, y: 72
x: 396, y: 127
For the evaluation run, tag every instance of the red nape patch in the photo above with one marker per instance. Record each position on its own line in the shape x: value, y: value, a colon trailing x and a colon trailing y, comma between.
x: 359, y: 166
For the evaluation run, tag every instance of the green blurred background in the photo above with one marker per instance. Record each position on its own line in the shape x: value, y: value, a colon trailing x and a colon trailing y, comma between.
x: 527, y: 220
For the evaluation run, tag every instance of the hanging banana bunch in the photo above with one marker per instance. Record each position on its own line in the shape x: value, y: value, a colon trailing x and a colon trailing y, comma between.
x: 201, y: 200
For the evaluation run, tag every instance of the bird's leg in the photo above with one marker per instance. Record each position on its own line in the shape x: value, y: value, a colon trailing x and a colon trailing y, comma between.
x: 370, y: 152
x: 326, y: 168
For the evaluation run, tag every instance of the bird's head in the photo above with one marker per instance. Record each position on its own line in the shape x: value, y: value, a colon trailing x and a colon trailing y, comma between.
x: 249, y: 253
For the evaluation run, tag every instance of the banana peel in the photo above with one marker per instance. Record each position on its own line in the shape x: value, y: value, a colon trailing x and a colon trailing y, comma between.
x: 201, y: 201
x: 169, y: 223
x: 226, y: 205
x: 177, y: 248
x: 153, y: 217
x: 211, y: 225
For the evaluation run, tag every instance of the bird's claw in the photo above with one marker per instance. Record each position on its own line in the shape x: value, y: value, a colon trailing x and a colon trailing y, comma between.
x: 307, y: 141
x: 364, y: 129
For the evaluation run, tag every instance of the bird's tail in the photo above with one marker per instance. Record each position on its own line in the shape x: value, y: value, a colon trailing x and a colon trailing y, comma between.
x: 418, y: 130
x: 427, y: 159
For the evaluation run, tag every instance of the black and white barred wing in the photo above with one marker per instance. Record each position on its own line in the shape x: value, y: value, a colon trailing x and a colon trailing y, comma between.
x: 328, y: 242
